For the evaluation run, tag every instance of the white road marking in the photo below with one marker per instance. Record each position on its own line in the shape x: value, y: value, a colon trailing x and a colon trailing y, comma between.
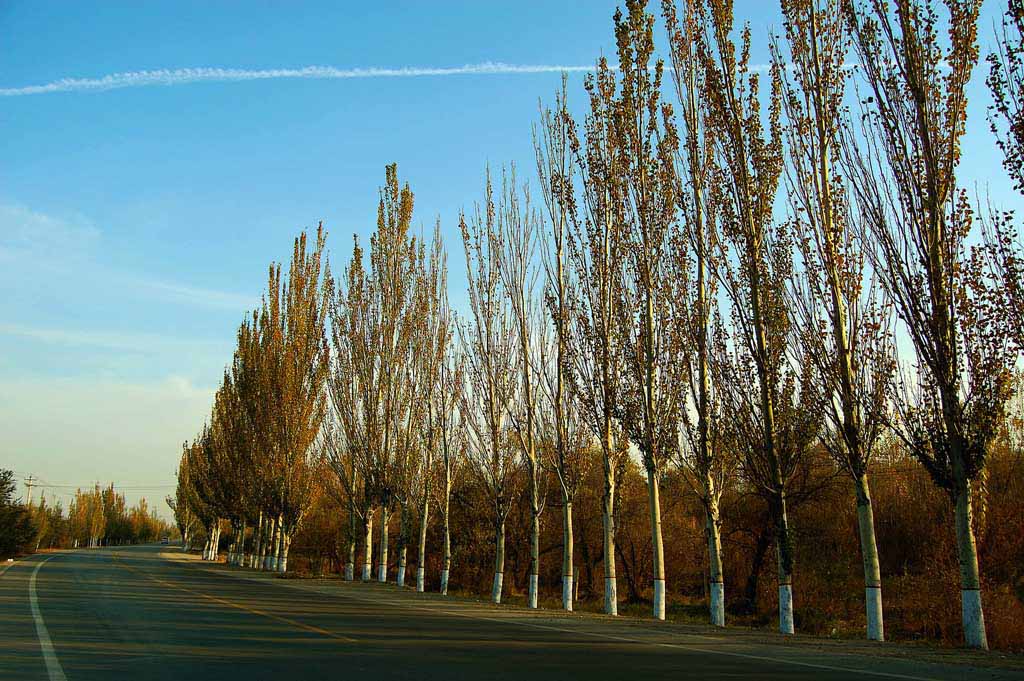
x: 53, y: 668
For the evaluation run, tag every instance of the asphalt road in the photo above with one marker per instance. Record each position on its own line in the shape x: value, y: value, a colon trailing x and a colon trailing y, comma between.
x: 138, y: 613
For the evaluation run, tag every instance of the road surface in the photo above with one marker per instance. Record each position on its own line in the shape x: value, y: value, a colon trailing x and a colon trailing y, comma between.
x: 145, y: 613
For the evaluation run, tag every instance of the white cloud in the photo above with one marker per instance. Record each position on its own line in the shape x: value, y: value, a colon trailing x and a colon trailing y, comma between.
x: 222, y: 75
x: 24, y: 231
x: 148, y: 343
x: 41, y: 245
x: 194, y: 295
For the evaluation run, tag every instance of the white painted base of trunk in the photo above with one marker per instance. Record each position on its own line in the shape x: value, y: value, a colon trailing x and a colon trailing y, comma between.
x: 420, y: 580
x: 659, y: 599
x: 382, y: 574
x: 282, y: 565
x: 717, y: 604
x: 567, y: 593
x: 786, y: 608
x: 496, y: 588
x: 973, y: 618
x: 275, y: 564
x: 400, y: 580
x: 367, y: 570
x: 444, y: 582
x: 873, y: 604
x: 531, y: 594
x: 611, y: 596
x: 350, y: 572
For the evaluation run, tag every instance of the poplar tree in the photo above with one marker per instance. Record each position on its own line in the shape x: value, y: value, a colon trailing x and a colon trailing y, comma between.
x: 645, y: 146
x: 596, y: 255
x: 517, y: 221
x: 840, y: 326
x: 570, y: 463
x: 903, y: 168
x: 705, y: 459
x: 488, y: 339
x: 764, y: 400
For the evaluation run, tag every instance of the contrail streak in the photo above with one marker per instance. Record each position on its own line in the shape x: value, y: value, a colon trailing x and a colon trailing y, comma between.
x: 221, y: 75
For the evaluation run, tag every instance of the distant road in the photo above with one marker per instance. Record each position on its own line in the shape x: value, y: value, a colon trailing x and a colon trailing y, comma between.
x: 133, y: 613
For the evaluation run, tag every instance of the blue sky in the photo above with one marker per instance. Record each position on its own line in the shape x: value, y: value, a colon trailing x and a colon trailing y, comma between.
x: 136, y: 223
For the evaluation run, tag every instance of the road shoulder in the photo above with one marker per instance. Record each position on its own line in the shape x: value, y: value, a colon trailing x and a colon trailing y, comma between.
x: 892, y: 660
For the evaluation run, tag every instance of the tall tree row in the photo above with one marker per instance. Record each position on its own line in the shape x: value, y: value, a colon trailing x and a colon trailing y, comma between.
x: 713, y: 286
x: 255, y: 463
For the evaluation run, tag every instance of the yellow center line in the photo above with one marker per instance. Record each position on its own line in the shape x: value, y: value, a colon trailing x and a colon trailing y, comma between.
x: 238, y: 606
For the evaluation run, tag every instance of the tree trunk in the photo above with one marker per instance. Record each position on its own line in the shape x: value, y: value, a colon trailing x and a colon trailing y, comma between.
x: 403, y: 529
x: 257, y: 539
x: 567, y: 566
x: 368, y: 548
x: 350, y: 565
x: 240, y: 558
x: 286, y: 542
x: 499, y: 560
x: 421, y: 555
x: 654, y: 501
x: 446, y: 556
x: 265, y: 550
x: 611, y: 598
x: 715, y: 574
x: 970, y: 580
x: 869, y: 553
x: 382, y: 568
x: 214, y: 542
x: 784, y: 555
x: 531, y: 594
x: 275, y: 545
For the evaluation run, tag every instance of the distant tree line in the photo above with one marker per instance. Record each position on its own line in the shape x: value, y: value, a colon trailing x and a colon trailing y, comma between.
x: 702, y: 290
x: 96, y: 517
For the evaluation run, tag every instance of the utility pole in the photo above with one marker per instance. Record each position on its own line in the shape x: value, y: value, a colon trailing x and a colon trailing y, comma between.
x: 30, y: 482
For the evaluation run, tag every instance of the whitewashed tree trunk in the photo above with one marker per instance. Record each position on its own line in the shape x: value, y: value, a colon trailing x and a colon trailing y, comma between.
x: 382, y: 569
x: 268, y: 533
x: 446, y: 555
x: 499, y: 561
x: 654, y: 502
x: 535, y: 546
x: 783, y: 552
x: 421, y: 557
x: 350, y: 565
x: 215, y: 543
x: 533, y: 587
x: 869, y: 554
x: 275, y: 545
x: 368, y: 549
x: 403, y: 529
x: 611, y: 597
x: 716, y: 578
x: 257, y: 539
x: 568, y: 572
x: 970, y: 579
x: 286, y: 542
